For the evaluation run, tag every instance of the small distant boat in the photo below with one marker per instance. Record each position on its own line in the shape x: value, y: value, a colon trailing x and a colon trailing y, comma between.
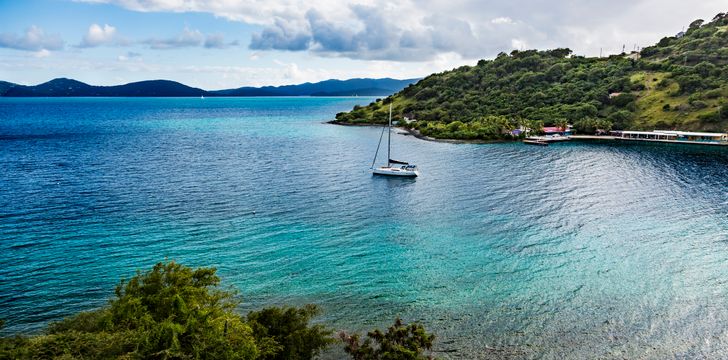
x: 545, y: 140
x: 202, y: 97
x: 394, y: 167
x: 535, y: 142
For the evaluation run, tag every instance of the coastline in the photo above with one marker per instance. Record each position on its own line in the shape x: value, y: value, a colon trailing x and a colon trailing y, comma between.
x: 417, y: 134
x: 337, y: 122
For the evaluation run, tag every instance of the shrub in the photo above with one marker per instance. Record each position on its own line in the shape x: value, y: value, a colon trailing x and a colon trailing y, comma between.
x: 713, y: 94
x: 287, y: 328
x: 699, y: 104
x: 174, y: 312
x: 401, y: 341
x: 714, y: 116
x: 664, y: 84
x: 723, y: 112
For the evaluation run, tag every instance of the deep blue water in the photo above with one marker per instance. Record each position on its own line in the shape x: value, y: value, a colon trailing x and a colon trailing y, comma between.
x: 575, y: 250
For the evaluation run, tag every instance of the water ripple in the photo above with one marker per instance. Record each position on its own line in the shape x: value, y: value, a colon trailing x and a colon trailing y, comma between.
x: 571, y: 251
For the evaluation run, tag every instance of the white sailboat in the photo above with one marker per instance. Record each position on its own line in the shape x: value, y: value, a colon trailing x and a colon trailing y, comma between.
x: 394, y: 167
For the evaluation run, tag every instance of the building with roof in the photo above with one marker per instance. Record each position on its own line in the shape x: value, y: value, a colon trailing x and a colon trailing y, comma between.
x: 555, y: 130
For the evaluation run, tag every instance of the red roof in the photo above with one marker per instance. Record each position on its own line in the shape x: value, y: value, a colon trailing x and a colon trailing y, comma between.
x: 552, y: 129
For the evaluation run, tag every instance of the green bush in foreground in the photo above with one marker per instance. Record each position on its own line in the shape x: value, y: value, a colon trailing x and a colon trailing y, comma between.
x: 175, y: 312
x: 288, y: 329
x: 401, y: 341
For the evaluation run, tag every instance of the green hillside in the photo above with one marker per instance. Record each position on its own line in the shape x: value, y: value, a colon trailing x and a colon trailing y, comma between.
x: 680, y: 83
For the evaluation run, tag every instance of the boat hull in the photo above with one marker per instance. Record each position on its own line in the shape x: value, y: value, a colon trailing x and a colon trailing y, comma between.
x: 535, y: 142
x: 395, y: 172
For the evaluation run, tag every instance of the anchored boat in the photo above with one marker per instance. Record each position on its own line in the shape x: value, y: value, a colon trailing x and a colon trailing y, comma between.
x: 394, y: 167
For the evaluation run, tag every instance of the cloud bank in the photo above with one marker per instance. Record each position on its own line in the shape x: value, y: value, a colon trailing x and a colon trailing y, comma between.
x: 189, y: 38
x: 34, y: 39
x: 410, y: 30
x: 107, y: 35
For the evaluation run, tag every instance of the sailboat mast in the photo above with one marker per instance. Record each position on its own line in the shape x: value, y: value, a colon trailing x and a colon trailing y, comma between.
x: 389, y: 136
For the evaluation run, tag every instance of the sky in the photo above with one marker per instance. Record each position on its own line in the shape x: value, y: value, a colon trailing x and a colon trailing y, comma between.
x: 218, y: 44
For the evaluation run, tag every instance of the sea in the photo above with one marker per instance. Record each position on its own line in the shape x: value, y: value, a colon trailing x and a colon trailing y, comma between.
x: 578, y: 250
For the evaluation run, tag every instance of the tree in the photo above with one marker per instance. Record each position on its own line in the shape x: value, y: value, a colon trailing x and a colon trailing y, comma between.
x: 695, y: 25
x: 174, y: 312
x: 623, y: 99
x: 169, y: 311
x: 724, y: 112
x: 562, y: 124
x: 400, y: 342
x: 287, y: 328
x: 592, y: 125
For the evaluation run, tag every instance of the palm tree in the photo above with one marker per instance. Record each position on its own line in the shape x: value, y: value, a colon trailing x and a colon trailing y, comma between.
x: 562, y: 124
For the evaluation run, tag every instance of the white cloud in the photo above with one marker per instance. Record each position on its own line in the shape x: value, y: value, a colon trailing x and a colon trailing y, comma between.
x: 502, y: 20
x: 410, y: 30
x: 189, y: 38
x: 130, y: 55
x: 215, y: 41
x: 34, y: 39
x: 98, y: 35
x: 518, y: 44
x: 42, y: 53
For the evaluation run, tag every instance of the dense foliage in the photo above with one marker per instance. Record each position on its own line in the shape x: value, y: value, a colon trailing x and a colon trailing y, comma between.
x: 681, y: 82
x: 175, y: 312
x: 289, y: 330
x: 401, y: 341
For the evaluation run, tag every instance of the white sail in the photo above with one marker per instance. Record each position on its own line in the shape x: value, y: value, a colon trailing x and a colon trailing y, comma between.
x: 404, y: 169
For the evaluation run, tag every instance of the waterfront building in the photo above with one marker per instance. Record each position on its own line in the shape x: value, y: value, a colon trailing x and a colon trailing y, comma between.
x: 676, y: 136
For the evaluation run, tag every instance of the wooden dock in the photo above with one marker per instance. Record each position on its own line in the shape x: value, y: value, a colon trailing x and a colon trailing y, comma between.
x: 664, y: 141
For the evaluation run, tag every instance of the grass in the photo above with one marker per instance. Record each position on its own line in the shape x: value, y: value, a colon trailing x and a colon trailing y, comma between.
x: 651, y: 101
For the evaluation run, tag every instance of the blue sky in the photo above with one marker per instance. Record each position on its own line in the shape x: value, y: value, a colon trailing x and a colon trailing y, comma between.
x: 218, y: 44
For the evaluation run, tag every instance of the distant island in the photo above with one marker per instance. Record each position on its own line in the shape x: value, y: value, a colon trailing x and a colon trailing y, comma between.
x: 63, y: 87
x: 681, y: 83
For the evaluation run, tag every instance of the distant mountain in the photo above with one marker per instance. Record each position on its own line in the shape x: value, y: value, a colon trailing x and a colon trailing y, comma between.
x: 5, y: 86
x: 63, y: 87
x: 351, y: 87
x: 355, y: 92
x: 68, y: 87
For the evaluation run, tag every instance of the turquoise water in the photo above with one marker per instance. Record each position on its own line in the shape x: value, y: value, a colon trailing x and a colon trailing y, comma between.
x: 505, y: 251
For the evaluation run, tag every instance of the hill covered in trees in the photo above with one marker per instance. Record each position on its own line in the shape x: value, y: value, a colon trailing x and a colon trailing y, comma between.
x: 679, y: 83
